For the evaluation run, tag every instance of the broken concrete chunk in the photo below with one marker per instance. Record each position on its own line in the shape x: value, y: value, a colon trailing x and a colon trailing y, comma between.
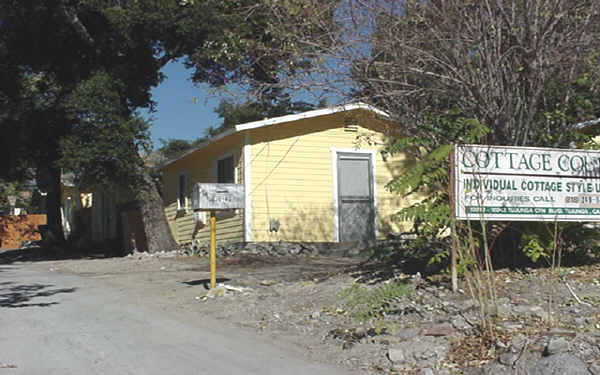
x: 556, y: 345
x: 560, y: 364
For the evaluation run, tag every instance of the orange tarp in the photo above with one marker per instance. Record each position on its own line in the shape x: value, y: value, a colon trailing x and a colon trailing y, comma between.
x: 14, y: 230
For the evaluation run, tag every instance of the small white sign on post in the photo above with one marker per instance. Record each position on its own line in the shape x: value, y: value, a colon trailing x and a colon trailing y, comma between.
x: 217, y: 197
x: 526, y: 183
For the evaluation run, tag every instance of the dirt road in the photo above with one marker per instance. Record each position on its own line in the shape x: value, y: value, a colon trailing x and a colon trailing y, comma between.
x: 370, y: 318
x: 121, y: 316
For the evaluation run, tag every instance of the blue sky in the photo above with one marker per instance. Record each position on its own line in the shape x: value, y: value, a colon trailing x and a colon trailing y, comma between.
x: 178, y: 115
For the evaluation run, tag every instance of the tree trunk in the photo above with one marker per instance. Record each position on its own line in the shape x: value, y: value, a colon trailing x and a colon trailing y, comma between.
x: 156, y: 229
x: 53, y: 215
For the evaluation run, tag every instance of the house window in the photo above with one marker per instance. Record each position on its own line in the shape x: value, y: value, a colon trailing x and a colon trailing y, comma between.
x: 181, y: 190
x: 226, y: 170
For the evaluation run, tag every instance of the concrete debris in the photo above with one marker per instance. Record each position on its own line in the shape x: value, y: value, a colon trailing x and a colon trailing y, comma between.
x: 218, y: 291
x: 560, y: 364
x: 239, y: 289
x: 222, y: 289
x: 422, y: 351
x: 556, y: 345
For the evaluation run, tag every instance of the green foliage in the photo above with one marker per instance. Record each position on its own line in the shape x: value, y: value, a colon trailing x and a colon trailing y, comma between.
x: 426, y: 176
x: 173, y: 148
x: 583, y: 103
x: 49, y: 49
x: 26, y: 194
x: 534, y: 249
x: 102, y: 147
x: 574, y: 241
x: 367, y: 303
x: 425, y: 181
x: 579, y: 240
x: 435, y: 66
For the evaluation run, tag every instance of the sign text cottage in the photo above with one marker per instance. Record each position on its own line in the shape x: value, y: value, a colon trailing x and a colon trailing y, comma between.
x: 526, y: 184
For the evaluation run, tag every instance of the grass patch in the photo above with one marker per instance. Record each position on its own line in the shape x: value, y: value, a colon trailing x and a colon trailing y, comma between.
x: 366, y: 303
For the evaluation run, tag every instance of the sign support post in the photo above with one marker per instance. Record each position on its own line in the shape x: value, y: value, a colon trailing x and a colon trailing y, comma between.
x: 453, y: 224
x: 213, y: 249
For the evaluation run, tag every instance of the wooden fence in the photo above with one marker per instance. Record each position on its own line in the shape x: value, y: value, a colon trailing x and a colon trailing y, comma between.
x: 14, y: 230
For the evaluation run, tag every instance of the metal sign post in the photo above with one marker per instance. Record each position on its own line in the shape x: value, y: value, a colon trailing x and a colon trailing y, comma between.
x: 213, y: 198
x: 453, y: 225
x: 213, y: 249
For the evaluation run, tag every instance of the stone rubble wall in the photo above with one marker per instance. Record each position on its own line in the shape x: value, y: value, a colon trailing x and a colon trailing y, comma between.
x: 281, y: 248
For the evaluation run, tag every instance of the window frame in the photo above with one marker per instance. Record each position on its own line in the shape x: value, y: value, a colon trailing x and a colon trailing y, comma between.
x: 227, y: 155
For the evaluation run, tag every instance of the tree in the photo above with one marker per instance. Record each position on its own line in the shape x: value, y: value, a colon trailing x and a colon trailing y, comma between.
x: 103, y: 150
x: 50, y: 49
x: 524, y: 70
x: 61, y: 59
x: 512, y: 65
x: 280, y: 105
x: 174, y: 148
x: 509, y: 72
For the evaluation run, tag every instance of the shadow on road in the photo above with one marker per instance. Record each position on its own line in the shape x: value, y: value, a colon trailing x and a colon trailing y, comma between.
x: 205, y: 282
x: 37, y: 254
x: 12, y: 295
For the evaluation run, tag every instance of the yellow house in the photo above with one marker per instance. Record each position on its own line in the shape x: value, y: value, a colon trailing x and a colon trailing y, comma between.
x: 317, y: 176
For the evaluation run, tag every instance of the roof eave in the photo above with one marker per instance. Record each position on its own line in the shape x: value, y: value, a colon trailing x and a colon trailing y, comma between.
x: 310, y: 114
x: 280, y: 120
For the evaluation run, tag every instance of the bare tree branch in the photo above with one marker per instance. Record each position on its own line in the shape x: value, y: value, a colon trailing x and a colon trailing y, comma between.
x: 70, y: 15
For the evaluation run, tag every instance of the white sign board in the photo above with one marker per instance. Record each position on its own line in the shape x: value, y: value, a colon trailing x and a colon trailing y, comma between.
x: 215, y: 197
x: 526, y: 184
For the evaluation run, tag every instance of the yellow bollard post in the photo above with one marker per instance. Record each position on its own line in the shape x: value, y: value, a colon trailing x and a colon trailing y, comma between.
x: 213, y: 249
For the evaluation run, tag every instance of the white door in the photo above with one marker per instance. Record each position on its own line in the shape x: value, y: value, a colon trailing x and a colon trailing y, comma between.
x: 355, y: 197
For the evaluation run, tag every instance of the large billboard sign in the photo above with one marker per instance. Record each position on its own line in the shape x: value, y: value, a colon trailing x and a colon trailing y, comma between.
x: 526, y: 184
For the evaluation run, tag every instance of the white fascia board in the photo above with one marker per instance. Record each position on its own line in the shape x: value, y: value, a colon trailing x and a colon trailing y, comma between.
x: 309, y: 114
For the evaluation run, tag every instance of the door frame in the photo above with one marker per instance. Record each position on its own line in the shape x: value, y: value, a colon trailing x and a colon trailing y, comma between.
x: 334, y: 169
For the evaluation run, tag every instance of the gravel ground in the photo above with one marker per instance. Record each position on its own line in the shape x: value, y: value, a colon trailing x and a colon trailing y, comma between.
x: 371, y: 317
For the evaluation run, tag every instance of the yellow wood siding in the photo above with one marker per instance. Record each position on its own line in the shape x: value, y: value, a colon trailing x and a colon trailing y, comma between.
x: 292, y: 177
x: 200, y: 166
